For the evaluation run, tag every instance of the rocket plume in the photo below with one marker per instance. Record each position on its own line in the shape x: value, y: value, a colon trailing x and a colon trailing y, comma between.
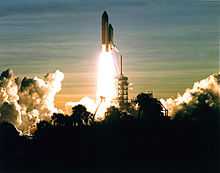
x: 106, y: 87
x: 105, y: 90
x: 106, y: 77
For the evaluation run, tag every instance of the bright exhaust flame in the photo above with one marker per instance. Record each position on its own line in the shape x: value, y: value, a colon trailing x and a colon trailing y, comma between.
x: 106, y: 87
x: 105, y: 90
x: 106, y: 77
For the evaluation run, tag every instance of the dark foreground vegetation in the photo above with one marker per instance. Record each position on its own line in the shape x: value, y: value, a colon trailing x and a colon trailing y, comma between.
x: 121, y: 143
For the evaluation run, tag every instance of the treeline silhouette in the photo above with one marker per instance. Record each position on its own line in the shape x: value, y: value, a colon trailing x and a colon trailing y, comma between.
x: 143, y: 139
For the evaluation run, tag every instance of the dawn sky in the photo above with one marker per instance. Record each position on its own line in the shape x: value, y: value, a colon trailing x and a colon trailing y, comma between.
x: 167, y: 44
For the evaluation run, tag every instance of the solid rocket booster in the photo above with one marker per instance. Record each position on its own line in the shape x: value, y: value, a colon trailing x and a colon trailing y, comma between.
x: 110, y: 34
x: 104, y: 28
x: 107, y: 33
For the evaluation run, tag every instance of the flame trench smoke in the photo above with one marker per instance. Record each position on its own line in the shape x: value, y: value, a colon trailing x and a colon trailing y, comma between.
x: 24, y: 103
x: 206, y: 91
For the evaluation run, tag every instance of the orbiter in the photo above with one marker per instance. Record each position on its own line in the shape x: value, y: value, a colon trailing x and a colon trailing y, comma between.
x: 107, y: 33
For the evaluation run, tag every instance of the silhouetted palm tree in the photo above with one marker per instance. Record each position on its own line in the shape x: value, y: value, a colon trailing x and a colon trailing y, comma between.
x: 80, y: 115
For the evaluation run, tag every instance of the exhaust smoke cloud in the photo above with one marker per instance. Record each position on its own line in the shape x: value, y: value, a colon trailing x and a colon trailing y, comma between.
x: 206, y: 91
x: 25, y: 102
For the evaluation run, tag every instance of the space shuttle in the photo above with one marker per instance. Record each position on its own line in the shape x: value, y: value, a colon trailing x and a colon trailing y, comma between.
x: 107, y: 33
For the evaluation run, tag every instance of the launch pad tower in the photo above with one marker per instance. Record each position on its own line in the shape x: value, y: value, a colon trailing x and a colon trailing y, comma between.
x: 122, y: 90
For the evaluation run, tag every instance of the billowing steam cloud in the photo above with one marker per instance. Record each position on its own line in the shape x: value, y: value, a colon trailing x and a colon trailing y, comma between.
x: 24, y: 103
x: 206, y: 91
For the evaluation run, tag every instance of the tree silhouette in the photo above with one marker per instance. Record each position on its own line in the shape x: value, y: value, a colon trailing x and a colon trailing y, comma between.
x: 43, y: 128
x: 149, y: 108
x: 59, y: 119
x: 80, y: 115
x: 112, y: 115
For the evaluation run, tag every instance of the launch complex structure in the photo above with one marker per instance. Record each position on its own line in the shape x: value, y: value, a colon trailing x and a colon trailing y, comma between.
x: 107, y: 46
x: 122, y: 83
x: 122, y: 89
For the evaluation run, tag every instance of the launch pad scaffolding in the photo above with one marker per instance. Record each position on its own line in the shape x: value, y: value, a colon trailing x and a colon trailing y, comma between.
x: 122, y: 89
x: 123, y: 92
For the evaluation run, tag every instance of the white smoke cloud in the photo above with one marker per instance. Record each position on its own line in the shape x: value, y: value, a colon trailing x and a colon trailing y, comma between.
x: 10, y: 110
x: 26, y: 102
x: 209, y: 87
x: 86, y: 101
